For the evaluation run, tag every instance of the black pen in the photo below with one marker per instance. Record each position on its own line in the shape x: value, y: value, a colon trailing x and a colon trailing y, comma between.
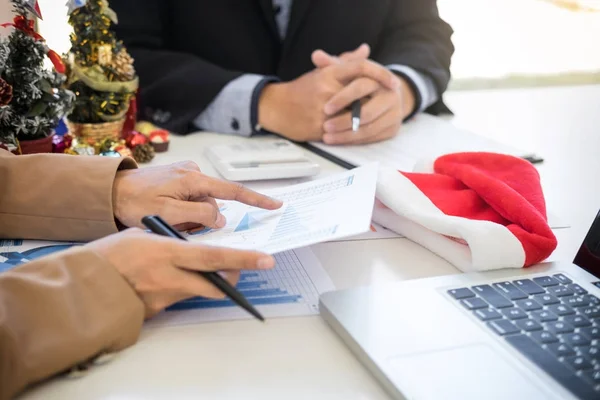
x: 157, y: 225
x: 355, y: 115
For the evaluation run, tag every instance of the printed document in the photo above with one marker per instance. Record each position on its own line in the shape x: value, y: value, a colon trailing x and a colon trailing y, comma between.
x: 322, y: 210
x: 291, y: 289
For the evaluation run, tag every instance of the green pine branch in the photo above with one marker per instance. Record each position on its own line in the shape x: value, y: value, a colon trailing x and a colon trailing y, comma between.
x: 39, y: 99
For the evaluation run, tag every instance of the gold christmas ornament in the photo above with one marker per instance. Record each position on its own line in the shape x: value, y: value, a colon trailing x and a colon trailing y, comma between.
x: 123, y: 66
x: 105, y: 54
x: 94, y: 78
x: 145, y: 127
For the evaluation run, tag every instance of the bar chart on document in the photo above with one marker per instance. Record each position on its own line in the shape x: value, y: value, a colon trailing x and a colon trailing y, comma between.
x: 330, y: 208
x: 291, y: 289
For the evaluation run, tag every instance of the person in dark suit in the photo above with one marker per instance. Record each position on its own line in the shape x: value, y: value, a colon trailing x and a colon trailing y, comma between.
x: 287, y: 66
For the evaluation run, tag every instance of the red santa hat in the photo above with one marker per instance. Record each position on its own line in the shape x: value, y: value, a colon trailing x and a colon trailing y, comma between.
x: 479, y: 211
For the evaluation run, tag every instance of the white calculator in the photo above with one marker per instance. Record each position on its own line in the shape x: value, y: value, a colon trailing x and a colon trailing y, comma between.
x: 261, y: 160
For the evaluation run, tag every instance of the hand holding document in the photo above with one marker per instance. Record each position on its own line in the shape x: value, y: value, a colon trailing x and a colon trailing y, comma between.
x: 334, y: 207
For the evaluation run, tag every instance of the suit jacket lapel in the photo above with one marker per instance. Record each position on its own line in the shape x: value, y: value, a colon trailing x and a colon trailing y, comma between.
x: 267, y: 9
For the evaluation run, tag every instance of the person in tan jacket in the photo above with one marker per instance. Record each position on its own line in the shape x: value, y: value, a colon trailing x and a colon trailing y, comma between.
x: 70, y: 308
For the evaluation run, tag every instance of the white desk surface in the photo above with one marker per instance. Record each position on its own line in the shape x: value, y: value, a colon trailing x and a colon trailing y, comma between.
x: 301, y: 358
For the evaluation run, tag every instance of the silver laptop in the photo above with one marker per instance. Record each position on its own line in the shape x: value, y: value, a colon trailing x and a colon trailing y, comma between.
x: 510, y: 334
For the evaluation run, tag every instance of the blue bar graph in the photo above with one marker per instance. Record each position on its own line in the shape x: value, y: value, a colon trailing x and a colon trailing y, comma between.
x: 287, y: 283
x: 254, y: 286
x: 10, y: 242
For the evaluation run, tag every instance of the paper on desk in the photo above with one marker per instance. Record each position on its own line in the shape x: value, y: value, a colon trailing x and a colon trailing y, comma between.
x: 424, y: 138
x: 333, y: 207
x: 375, y: 232
x: 291, y: 289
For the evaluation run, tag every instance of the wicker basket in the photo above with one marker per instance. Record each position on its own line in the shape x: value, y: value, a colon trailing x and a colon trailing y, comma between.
x: 97, y: 132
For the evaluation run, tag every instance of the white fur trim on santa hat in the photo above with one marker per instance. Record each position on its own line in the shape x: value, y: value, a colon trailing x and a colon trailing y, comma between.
x: 411, y: 213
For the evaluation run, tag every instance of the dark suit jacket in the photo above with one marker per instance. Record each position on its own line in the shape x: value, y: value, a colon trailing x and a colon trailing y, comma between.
x: 186, y: 51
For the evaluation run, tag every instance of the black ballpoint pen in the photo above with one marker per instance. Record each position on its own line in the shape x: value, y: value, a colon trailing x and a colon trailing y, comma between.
x: 157, y: 225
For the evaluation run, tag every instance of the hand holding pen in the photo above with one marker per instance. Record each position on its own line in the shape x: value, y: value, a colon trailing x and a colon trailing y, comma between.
x: 366, y: 110
x: 162, y: 271
x: 158, y: 226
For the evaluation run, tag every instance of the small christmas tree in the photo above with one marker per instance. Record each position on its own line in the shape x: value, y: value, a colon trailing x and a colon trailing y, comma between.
x: 101, y: 71
x: 38, y: 101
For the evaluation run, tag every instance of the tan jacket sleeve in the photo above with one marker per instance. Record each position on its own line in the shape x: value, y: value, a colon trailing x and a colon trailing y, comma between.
x: 57, y: 196
x: 61, y: 311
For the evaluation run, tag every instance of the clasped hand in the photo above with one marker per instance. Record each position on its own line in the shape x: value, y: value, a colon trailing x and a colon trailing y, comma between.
x: 314, y: 107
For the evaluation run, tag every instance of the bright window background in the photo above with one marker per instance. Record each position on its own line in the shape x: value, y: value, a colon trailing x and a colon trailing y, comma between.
x: 493, y: 38
x: 497, y: 38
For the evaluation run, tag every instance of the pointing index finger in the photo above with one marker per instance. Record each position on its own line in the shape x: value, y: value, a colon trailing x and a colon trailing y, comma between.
x: 234, y: 191
x: 198, y: 257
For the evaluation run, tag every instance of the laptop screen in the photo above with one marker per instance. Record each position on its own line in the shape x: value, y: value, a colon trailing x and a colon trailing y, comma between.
x: 588, y: 256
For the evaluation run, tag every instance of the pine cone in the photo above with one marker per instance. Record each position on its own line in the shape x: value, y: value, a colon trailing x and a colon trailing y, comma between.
x: 6, y: 93
x: 123, y: 66
x: 143, y: 153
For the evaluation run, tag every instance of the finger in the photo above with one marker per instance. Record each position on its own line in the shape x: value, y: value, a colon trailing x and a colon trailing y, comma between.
x: 322, y: 59
x: 211, y: 187
x: 188, y: 227
x: 187, y: 165
x: 367, y: 139
x: 362, y: 52
x: 389, y: 119
x: 231, y: 276
x: 346, y: 72
x: 198, y: 257
x: 356, y: 90
x: 185, y: 284
x: 191, y: 284
x: 212, y: 202
x: 384, y: 135
x: 380, y: 104
x: 177, y: 212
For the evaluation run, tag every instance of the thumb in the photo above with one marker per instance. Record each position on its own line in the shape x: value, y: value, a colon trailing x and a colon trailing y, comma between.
x: 177, y: 212
x: 322, y: 59
x: 363, y: 52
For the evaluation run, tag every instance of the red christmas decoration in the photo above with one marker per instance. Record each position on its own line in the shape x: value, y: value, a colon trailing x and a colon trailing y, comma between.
x: 56, y: 60
x: 159, y: 136
x: 61, y: 143
x: 136, y: 139
x: 124, y: 151
x: 27, y: 25
x: 131, y: 118
x: 159, y: 139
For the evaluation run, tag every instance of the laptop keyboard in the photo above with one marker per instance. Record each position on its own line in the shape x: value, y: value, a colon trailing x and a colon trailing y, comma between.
x: 552, y: 321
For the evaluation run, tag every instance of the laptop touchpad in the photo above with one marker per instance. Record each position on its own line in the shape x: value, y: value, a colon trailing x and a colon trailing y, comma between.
x: 470, y: 372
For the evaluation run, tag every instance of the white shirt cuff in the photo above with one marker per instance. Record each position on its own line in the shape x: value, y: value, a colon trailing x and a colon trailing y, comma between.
x: 423, y: 83
x: 230, y: 111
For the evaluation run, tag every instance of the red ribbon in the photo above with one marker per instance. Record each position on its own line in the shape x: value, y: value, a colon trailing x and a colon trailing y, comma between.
x: 27, y: 26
